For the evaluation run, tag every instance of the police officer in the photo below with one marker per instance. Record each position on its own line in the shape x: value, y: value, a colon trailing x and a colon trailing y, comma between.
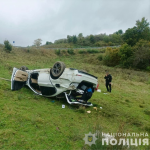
x: 108, y: 79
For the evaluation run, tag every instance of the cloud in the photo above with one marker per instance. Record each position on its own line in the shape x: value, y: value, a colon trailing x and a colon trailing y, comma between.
x: 24, y: 21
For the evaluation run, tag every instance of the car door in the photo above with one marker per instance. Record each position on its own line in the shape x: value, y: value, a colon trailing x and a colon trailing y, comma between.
x: 18, y: 79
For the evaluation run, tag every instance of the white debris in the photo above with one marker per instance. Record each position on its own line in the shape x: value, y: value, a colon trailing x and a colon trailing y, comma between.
x: 100, y: 107
x: 89, y: 112
x: 99, y: 90
x: 63, y: 106
x: 95, y: 108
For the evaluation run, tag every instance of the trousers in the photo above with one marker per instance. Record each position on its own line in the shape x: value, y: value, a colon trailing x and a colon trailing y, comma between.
x: 108, y: 86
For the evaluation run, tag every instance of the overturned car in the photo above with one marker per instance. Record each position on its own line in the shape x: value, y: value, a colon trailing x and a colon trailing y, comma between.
x: 58, y: 81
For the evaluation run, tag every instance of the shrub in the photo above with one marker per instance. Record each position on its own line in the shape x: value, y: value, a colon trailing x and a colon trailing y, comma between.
x: 100, y: 57
x: 141, y: 55
x: 8, y: 46
x: 63, y: 51
x: 110, y: 44
x: 92, y: 51
x: 100, y: 43
x: 82, y: 51
x: 70, y: 51
x: 148, y: 68
x: 102, y: 50
x: 57, y: 52
x: 125, y: 54
x: 111, y: 57
x: 28, y: 49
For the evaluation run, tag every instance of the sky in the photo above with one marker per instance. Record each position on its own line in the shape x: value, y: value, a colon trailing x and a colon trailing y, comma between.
x: 24, y: 21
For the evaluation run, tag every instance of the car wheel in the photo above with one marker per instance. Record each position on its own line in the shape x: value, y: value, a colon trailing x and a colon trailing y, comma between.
x: 57, y: 70
x: 24, y: 68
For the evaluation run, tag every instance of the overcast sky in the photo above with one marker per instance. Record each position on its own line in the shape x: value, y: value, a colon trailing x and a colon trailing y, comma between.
x: 23, y: 21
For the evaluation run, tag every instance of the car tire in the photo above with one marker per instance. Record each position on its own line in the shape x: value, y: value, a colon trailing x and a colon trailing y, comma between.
x: 24, y: 68
x: 57, y: 70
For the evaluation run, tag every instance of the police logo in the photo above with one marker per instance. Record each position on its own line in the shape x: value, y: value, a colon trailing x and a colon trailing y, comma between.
x: 90, y: 138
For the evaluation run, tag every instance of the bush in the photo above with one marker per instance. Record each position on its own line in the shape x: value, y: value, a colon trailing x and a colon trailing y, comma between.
x: 100, y: 44
x: 92, y: 51
x: 82, y: 52
x: 110, y: 44
x: 70, y: 51
x: 63, y: 51
x: 125, y: 54
x: 100, y: 57
x: 102, y: 50
x: 111, y: 57
x: 141, y: 55
x: 148, y: 68
x: 8, y: 46
x: 57, y: 52
x: 28, y: 49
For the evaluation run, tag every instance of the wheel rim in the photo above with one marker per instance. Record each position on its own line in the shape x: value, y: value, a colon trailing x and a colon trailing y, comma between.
x: 56, y: 68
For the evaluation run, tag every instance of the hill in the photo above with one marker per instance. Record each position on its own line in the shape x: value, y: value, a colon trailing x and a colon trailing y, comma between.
x: 29, y: 121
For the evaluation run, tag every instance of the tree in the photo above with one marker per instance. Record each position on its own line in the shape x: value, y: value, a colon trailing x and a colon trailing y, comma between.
x: 140, y: 31
x: 60, y: 41
x: 92, y: 39
x: 131, y: 36
x: 74, y: 39
x: 69, y: 38
x: 8, y: 46
x: 143, y: 29
x: 48, y: 43
x: 119, y: 32
x: 37, y: 42
x: 80, y: 36
x: 116, y: 38
x: 141, y: 55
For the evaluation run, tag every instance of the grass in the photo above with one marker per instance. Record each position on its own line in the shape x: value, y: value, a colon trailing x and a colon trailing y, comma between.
x: 28, y: 121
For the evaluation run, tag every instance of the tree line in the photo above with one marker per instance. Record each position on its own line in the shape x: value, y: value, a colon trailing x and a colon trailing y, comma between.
x: 131, y: 36
x: 91, y: 40
x: 135, y: 51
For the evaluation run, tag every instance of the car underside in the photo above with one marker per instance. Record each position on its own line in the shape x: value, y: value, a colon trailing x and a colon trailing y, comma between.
x: 58, y: 81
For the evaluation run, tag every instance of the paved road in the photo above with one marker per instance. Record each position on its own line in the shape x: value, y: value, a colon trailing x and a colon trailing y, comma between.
x: 87, y: 47
x: 77, y: 48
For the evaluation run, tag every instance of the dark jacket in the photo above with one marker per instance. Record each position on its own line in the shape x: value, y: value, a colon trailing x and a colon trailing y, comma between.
x: 87, y: 94
x: 108, y: 78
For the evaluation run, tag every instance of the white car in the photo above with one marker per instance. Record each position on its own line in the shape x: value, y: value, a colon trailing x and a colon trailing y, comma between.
x: 58, y: 81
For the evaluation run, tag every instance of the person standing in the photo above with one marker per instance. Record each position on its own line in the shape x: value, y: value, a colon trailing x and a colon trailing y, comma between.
x: 108, y: 79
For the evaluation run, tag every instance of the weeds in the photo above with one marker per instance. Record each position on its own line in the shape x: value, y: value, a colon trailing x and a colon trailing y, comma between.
x: 92, y: 51
x: 57, y: 52
x: 20, y: 97
x: 81, y: 109
x: 81, y: 51
x: 147, y: 111
x: 70, y: 51
x: 100, y: 57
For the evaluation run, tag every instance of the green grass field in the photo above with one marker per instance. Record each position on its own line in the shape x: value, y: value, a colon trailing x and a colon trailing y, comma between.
x: 28, y: 121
